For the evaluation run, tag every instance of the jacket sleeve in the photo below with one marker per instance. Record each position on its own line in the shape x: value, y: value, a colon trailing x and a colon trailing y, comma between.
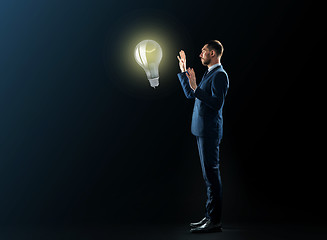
x: 219, y: 88
x: 188, y: 91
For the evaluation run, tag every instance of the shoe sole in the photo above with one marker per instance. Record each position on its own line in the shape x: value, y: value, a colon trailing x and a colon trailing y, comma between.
x: 195, y: 226
x: 207, y: 231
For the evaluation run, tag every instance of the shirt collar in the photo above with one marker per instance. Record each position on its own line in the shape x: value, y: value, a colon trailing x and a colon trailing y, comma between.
x: 213, y: 66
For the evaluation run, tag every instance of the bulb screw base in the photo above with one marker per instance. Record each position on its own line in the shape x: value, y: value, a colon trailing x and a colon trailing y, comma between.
x: 154, y: 82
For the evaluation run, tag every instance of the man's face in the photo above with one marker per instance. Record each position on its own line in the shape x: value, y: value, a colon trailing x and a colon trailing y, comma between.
x: 205, y: 56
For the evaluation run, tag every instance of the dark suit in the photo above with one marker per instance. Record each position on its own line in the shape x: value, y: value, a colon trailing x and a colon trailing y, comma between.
x: 207, y: 126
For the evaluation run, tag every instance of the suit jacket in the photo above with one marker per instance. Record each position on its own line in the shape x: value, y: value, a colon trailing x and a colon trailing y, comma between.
x: 207, y: 118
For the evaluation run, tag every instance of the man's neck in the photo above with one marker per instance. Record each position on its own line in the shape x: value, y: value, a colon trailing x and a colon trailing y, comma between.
x: 213, y: 62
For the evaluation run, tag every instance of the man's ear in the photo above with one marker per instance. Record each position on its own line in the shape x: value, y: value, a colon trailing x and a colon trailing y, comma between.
x: 212, y: 53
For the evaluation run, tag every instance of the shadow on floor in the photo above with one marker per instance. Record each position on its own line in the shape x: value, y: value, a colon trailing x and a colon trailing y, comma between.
x: 165, y: 232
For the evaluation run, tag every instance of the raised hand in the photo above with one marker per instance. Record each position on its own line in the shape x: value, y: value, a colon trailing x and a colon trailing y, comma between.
x: 182, y: 60
x: 192, y: 79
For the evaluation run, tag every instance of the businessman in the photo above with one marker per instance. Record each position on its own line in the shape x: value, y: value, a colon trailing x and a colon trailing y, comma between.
x: 207, y: 126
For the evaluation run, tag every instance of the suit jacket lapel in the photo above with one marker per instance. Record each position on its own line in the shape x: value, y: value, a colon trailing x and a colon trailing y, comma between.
x: 207, y: 74
x: 204, y: 75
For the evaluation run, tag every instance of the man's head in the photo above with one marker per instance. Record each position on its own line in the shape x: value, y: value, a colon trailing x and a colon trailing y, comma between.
x: 211, y: 53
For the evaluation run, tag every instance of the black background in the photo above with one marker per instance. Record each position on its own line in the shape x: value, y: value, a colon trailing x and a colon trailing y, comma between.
x: 81, y: 144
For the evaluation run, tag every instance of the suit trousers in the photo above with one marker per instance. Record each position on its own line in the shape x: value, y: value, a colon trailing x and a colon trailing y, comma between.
x: 209, y: 157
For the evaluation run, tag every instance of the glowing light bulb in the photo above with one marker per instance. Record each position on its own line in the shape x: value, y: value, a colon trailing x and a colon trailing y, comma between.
x: 148, y: 55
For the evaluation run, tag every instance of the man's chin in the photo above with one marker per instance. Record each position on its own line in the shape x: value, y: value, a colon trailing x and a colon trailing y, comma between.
x: 204, y: 63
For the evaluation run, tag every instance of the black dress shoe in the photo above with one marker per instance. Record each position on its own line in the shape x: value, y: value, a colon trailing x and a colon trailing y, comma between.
x: 207, y: 227
x: 197, y: 224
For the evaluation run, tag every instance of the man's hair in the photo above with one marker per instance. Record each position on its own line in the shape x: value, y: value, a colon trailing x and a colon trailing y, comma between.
x: 216, y: 46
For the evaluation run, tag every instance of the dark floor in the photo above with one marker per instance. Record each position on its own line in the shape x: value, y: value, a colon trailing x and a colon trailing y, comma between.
x: 167, y: 232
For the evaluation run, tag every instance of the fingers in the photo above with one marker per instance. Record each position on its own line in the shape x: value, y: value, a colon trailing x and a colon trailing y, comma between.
x: 181, y: 60
x: 190, y: 77
x: 182, y: 54
x: 190, y: 73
